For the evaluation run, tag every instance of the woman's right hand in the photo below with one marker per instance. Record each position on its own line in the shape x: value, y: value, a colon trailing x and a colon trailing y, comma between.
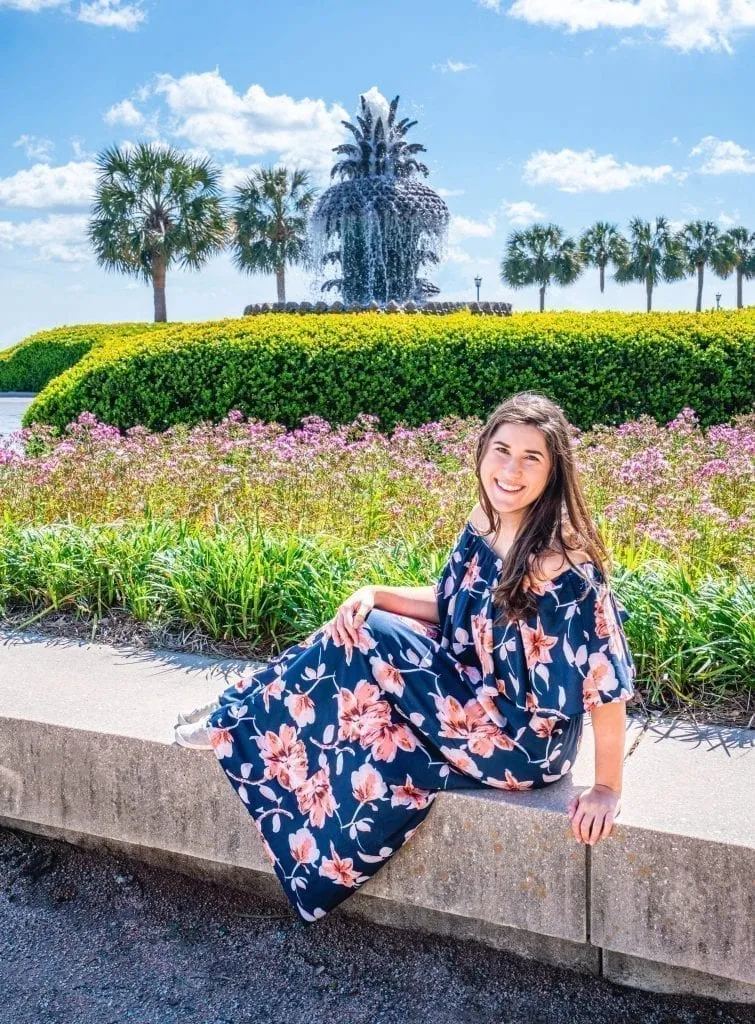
x: 350, y: 615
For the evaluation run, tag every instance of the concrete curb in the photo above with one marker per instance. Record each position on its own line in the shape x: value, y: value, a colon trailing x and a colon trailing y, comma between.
x: 86, y: 754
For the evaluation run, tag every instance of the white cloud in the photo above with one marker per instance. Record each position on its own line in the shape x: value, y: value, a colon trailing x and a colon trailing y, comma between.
x: 71, y: 184
x: 464, y: 227
x: 78, y: 150
x: 123, y: 113
x: 727, y: 220
x: 523, y: 213
x: 449, y: 193
x: 112, y: 14
x: 585, y: 171
x: 35, y: 147
x: 491, y: 5
x: 105, y: 13
x: 209, y: 112
x: 723, y: 157
x: 453, y: 66
x: 233, y: 174
x: 58, y: 238
x: 682, y: 24
x: 457, y: 255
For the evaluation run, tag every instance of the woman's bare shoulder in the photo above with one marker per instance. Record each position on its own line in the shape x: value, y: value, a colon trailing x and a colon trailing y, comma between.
x: 553, y: 563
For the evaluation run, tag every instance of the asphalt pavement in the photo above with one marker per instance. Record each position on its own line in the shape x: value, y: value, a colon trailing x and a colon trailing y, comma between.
x: 88, y: 937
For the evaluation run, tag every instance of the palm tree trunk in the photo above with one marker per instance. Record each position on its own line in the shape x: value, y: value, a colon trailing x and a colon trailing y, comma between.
x: 158, y: 287
x: 649, y: 292
x: 602, y: 278
x: 700, y: 272
x: 740, y: 277
x: 542, y: 298
x: 280, y: 280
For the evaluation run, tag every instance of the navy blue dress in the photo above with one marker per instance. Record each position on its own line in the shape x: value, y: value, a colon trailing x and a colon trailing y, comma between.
x: 338, y: 750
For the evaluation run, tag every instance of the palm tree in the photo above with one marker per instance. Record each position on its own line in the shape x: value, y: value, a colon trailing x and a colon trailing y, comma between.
x: 602, y: 244
x: 700, y: 241
x: 542, y: 256
x: 654, y: 255
x: 379, y: 147
x: 738, y: 245
x: 154, y: 207
x: 270, y: 212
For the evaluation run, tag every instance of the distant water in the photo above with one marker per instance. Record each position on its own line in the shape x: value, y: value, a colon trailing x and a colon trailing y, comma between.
x: 11, y: 411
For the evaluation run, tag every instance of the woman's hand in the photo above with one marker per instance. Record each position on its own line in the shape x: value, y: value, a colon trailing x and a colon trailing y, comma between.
x: 593, y: 813
x: 351, y: 614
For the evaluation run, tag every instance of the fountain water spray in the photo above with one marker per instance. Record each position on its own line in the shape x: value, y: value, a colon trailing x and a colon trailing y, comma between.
x: 379, y: 224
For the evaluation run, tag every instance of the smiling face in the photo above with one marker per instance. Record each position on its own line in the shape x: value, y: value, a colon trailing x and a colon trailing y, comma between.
x: 515, y: 467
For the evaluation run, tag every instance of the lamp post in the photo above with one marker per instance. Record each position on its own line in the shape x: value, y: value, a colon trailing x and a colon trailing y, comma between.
x: 718, y: 300
x: 478, y: 282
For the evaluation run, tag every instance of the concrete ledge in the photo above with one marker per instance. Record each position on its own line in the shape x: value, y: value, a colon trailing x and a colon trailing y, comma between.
x: 86, y: 754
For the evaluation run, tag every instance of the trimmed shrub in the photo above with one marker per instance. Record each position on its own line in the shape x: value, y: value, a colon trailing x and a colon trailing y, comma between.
x: 601, y: 367
x: 34, y: 362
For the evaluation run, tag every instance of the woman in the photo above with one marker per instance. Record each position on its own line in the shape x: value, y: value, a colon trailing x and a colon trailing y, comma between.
x: 339, y: 745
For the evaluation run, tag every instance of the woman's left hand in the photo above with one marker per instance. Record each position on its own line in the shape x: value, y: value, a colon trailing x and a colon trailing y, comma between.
x: 593, y: 813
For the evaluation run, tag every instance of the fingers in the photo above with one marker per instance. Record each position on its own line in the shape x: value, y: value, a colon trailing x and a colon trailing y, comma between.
x: 589, y: 826
x: 576, y: 822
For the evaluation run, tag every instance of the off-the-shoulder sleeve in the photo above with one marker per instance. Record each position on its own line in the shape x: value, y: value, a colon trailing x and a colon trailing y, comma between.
x: 577, y: 653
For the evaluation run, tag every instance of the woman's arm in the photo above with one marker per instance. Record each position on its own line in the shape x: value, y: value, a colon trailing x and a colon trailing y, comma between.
x: 420, y: 602
x: 609, y: 729
x: 594, y: 811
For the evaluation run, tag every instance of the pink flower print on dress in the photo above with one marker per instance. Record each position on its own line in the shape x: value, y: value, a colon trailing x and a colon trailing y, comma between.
x: 537, y: 644
x: 222, y: 743
x: 482, y: 634
x: 340, y: 870
x: 509, y: 782
x: 303, y: 846
x: 387, y: 676
x: 315, y: 797
x: 531, y: 702
x: 472, y: 575
x: 543, y: 727
x: 386, y: 739
x: 284, y: 757
x: 601, y: 676
x: 606, y: 624
x: 461, y: 761
x: 359, y: 710
x: 539, y: 587
x: 367, y: 784
x: 452, y: 718
x: 410, y: 795
x: 274, y: 689
x: 301, y: 708
x: 484, y: 736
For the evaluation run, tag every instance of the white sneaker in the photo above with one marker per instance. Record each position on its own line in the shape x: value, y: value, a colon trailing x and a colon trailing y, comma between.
x: 189, y: 717
x: 193, y: 734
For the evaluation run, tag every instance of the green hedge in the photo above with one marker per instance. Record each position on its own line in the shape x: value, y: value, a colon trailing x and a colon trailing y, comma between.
x: 601, y: 367
x: 34, y: 362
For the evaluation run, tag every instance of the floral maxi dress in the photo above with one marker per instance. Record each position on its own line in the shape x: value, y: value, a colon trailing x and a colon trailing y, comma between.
x: 338, y: 750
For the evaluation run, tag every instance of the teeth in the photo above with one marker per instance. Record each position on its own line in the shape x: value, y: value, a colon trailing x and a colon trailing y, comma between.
x: 510, y: 490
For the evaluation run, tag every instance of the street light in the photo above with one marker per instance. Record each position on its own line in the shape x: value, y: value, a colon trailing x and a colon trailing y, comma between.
x: 718, y: 300
x: 478, y: 282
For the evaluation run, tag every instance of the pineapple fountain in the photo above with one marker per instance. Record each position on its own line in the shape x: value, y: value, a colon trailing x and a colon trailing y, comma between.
x: 379, y: 225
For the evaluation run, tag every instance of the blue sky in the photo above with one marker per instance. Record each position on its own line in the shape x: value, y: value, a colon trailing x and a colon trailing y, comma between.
x: 562, y: 110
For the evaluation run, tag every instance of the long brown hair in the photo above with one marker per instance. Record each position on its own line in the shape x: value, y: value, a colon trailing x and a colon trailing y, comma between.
x: 558, y: 521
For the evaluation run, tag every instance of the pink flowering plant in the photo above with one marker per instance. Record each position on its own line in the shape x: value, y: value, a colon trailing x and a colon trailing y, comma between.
x: 245, y: 531
x: 676, y: 491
